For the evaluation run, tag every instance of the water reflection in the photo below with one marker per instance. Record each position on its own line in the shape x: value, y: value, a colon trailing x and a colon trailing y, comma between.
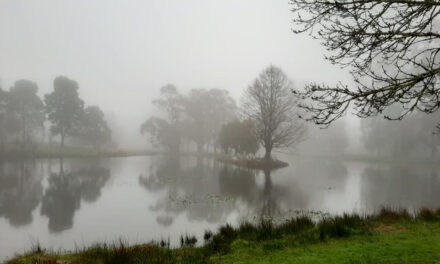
x: 165, y: 196
x: 401, y: 186
x: 20, y: 191
x: 188, y: 187
x: 206, y: 190
x: 66, y: 190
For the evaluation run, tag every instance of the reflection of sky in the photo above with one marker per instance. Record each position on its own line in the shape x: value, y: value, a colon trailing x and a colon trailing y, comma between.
x: 347, y: 198
x: 146, y: 198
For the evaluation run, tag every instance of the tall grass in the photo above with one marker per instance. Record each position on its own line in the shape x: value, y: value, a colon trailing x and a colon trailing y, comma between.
x: 296, y: 231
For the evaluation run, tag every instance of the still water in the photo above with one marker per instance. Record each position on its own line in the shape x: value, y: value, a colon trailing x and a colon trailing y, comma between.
x: 70, y: 203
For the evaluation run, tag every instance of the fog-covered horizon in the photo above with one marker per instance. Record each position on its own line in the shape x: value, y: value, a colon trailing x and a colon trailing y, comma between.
x: 121, y: 53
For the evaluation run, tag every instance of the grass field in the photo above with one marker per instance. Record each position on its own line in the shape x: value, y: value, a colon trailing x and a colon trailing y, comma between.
x: 387, y: 237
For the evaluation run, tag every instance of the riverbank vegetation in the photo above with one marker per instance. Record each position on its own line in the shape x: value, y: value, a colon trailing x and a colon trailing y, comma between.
x: 390, y: 236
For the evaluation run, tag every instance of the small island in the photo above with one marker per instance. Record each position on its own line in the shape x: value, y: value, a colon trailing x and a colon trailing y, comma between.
x: 255, y: 163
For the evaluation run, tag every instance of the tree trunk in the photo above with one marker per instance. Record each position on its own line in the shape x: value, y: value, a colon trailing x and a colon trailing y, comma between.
x: 23, y: 130
x: 63, y: 135
x: 267, y: 155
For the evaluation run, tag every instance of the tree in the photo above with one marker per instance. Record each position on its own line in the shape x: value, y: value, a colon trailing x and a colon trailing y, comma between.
x: 171, y: 103
x: 64, y: 107
x: 403, y: 138
x: 24, y: 103
x: 391, y: 47
x: 162, y: 133
x: 196, y: 117
x: 206, y: 112
x: 2, y: 119
x: 94, y: 128
x: 240, y: 137
x: 9, y: 122
x: 166, y: 131
x: 270, y: 103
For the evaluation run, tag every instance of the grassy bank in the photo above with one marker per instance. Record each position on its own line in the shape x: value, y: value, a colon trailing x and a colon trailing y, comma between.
x: 387, y: 237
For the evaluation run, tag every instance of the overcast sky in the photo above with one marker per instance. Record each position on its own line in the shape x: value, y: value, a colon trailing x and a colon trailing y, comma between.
x: 122, y: 52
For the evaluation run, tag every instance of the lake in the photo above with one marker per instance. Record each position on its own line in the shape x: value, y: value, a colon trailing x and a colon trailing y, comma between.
x: 72, y: 203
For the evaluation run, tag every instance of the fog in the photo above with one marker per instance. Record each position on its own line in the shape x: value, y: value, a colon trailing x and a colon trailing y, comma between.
x: 122, y: 52
x: 123, y: 123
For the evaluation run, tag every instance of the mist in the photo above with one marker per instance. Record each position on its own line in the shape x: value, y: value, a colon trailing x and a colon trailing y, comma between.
x: 198, y: 131
x: 122, y: 53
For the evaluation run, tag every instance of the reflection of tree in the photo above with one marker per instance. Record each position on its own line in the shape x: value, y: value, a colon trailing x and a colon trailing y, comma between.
x: 401, y: 186
x: 208, y: 191
x: 20, y: 191
x: 270, y: 207
x: 238, y: 183
x: 66, y: 190
x: 188, y: 189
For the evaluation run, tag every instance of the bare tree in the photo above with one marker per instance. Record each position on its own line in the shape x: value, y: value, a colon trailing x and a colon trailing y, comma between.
x: 270, y: 103
x: 391, y: 46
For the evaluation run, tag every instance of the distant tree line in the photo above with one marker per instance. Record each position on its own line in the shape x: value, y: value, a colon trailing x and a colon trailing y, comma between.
x: 412, y: 136
x: 210, y: 119
x: 193, y: 118
x: 24, y: 115
x: 332, y: 141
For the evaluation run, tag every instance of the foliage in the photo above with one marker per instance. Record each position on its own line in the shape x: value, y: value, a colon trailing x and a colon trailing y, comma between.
x: 166, y: 131
x: 162, y: 133
x: 415, y: 133
x: 196, y: 117
x: 240, y: 137
x: 25, y: 108
x: 22, y: 115
x: 64, y: 107
x: 93, y: 128
x: 2, y: 118
x: 390, y: 46
x: 270, y: 103
x: 207, y: 111
x: 171, y: 103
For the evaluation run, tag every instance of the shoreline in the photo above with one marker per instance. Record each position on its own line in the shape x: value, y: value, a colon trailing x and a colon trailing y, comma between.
x: 388, y: 235
x: 39, y: 152
x: 46, y: 151
x: 256, y: 163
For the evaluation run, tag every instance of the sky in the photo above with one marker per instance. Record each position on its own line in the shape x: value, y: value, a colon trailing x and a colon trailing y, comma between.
x: 122, y: 52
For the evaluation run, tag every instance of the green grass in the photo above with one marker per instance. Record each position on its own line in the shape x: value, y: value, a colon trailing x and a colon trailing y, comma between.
x: 387, y: 237
x: 406, y: 243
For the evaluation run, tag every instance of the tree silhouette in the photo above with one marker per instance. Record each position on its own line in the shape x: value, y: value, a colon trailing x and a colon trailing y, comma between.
x: 271, y: 105
x: 64, y: 107
x: 390, y: 46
